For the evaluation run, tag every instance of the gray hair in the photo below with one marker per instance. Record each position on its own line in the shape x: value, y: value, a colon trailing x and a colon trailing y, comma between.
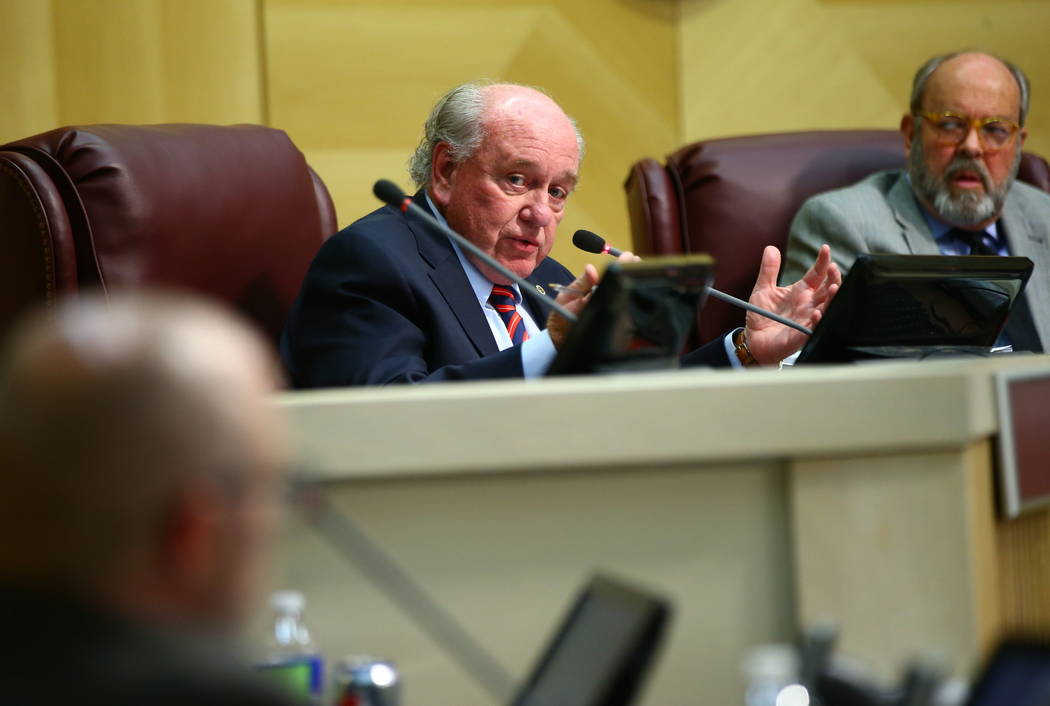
x: 922, y: 76
x: 457, y: 119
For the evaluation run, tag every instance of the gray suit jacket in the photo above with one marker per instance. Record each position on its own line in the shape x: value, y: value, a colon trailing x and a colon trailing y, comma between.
x: 881, y: 215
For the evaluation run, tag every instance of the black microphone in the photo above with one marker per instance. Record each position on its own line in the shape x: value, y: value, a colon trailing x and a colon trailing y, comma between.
x: 391, y: 194
x: 593, y: 243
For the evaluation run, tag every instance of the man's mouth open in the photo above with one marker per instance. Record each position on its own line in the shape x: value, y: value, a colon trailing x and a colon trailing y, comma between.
x: 524, y: 244
x: 967, y: 179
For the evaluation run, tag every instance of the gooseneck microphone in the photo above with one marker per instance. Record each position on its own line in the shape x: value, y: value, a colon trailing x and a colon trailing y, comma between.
x: 391, y: 194
x: 593, y: 243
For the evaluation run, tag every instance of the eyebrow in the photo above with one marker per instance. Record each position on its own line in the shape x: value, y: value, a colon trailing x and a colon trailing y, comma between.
x: 569, y: 176
x: 964, y: 114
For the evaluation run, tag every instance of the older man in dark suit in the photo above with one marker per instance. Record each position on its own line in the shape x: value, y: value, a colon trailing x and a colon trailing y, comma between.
x: 390, y: 300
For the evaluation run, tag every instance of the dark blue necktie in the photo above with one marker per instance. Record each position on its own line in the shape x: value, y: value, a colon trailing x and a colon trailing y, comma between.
x: 976, y: 239
x: 1020, y: 327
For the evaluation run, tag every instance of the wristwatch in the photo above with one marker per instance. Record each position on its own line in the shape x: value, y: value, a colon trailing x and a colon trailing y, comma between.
x: 743, y: 353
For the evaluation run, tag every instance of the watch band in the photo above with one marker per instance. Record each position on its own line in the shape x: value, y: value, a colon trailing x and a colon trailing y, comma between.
x: 743, y: 353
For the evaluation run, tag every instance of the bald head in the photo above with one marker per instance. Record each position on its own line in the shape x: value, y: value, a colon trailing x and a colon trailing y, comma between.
x: 968, y: 75
x: 115, y: 418
x: 508, y: 101
x: 461, y: 117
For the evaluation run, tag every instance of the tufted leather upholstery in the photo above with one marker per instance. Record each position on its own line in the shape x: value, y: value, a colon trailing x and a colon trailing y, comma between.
x: 731, y: 197
x: 229, y: 212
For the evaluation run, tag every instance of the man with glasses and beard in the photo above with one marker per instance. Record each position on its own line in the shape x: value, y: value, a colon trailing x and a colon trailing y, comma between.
x: 962, y: 136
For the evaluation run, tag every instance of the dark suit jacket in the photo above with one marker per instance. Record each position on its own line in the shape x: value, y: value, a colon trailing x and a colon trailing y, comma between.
x: 386, y: 300
x: 59, y: 651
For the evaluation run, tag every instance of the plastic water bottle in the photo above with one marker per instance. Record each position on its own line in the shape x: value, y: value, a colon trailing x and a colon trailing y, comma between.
x: 772, y: 677
x: 294, y: 661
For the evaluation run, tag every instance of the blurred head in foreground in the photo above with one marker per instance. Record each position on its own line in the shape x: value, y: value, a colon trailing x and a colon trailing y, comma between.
x: 138, y: 457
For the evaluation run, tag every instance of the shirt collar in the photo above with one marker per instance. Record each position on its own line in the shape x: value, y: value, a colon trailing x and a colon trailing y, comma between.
x: 481, y: 284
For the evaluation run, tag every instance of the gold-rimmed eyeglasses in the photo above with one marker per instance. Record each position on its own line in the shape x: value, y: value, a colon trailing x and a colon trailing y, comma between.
x: 948, y: 128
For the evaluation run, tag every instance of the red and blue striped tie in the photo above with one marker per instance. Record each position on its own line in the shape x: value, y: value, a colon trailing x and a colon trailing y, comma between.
x: 504, y: 301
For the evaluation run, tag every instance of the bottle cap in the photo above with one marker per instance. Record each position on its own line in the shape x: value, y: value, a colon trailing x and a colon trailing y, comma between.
x: 778, y: 662
x: 287, y: 601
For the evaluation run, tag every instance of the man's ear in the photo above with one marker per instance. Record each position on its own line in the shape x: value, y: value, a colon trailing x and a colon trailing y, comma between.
x: 189, y: 540
x: 908, y: 131
x: 442, y: 174
x: 1022, y: 135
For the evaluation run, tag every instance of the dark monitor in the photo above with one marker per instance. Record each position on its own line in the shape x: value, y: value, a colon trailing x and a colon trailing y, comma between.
x: 639, y: 317
x: 913, y: 306
x: 602, y: 650
x: 1018, y: 674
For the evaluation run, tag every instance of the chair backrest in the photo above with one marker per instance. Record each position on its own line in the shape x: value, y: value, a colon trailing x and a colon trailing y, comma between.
x: 233, y: 213
x: 731, y: 197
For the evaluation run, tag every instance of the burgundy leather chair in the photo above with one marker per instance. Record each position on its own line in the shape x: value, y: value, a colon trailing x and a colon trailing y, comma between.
x: 731, y: 197
x: 232, y: 213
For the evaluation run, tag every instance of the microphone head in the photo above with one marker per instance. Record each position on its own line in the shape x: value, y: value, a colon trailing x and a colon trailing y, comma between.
x: 589, y: 242
x: 389, y: 193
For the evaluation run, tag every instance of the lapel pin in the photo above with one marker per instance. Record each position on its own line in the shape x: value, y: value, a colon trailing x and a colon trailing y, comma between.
x: 539, y: 288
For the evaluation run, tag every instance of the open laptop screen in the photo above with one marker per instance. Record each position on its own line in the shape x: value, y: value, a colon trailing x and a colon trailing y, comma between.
x: 601, y: 651
x: 639, y: 317
x: 915, y: 305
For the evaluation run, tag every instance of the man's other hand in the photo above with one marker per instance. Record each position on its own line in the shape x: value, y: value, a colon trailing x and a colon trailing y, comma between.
x: 803, y: 302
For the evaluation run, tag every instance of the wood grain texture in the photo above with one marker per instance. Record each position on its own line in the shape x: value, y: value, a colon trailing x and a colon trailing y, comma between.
x: 114, y: 61
x: 882, y: 551
x: 754, y: 66
x: 28, y: 68
x: 352, y: 81
x: 1023, y: 546
x: 980, y: 513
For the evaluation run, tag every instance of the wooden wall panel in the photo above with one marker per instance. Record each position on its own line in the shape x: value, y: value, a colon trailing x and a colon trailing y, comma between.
x: 352, y: 81
x: 27, y: 66
x: 212, y: 61
x: 129, y: 61
x: 753, y: 66
x: 108, y: 62
x: 1024, y: 572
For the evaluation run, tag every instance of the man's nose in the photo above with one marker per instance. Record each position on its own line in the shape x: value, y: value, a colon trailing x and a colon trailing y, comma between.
x: 971, y: 145
x: 537, y: 210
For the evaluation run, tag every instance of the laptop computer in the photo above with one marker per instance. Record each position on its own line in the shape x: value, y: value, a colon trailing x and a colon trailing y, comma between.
x: 913, y: 306
x: 602, y: 651
x: 639, y: 317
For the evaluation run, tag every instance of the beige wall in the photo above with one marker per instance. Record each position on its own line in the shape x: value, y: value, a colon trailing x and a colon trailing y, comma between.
x: 758, y: 66
x: 128, y: 61
x: 352, y: 80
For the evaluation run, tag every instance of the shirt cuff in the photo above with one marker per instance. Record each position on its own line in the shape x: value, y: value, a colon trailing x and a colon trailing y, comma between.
x: 734, y: 360
x: 537, y: 354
